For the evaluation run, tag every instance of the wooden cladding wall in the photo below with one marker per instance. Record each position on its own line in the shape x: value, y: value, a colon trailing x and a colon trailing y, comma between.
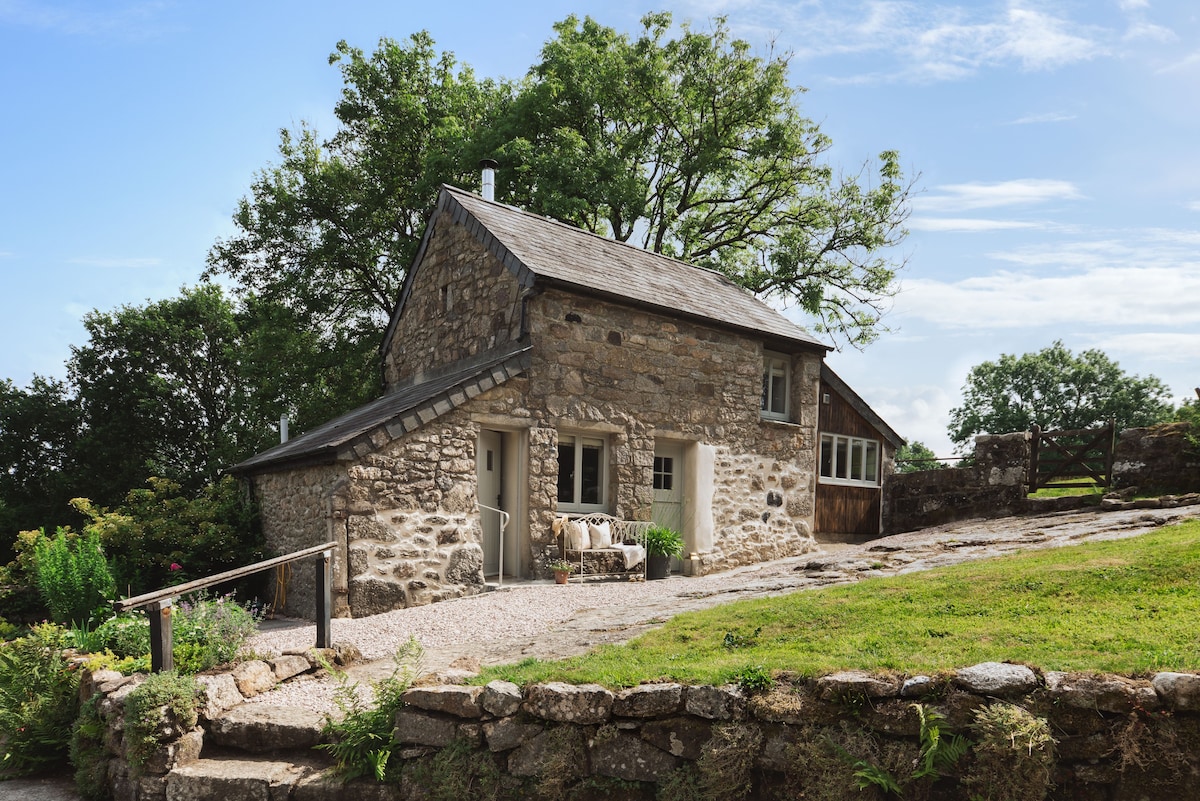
x: 839, y: 417
x: 847, y: 510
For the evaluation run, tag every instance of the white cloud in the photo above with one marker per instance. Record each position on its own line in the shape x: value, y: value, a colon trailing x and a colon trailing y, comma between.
x: 1146, y: 31
x: 1004, y: 193
x: 133, y: 263
x: 1116, y: 297
x: 128, y: 20
x: 966, y: 225
x: 1050, y: 116
x: 1194, y: 205
x: 1130, y: 5
x: 1168, y: 346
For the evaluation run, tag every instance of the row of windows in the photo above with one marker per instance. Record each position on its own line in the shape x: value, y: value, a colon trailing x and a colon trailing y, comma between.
x: 849, y: 460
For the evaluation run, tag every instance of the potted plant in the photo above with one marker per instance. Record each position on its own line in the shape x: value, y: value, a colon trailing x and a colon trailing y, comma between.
x: 561, y: 569
x: 661, y: 544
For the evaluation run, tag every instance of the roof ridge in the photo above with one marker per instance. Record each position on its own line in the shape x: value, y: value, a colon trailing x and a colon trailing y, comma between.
x: 608, y: 240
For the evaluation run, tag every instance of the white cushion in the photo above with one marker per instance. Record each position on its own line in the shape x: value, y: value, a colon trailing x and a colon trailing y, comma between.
x: 577, y: 537
x: 601, y: 535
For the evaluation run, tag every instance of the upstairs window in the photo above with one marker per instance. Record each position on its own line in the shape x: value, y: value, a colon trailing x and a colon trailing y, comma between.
x: 775, y: 386
x: 582, y: 471
x: 849, y: 460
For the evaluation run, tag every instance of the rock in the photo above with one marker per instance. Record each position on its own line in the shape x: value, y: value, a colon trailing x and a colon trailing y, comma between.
x: 220, y: 693
x: 569, y: 703
x: 289, y: 665
x: 681, y: 737
x: 1178, y: 691
x: 323, y: 787
x: 557, y: 751
x: 916, y: 687
x: 508, y: 733
x: 715, y: 703
x: 1102, y: 693
x: 625, y: 756
x: 447, y: 676
x: 253, y: 677
x: 501, y: 698
x: 449, y: 699
x: 856, y: 684
x: 180, y: 751
x: 648, y: 701
x: 233, y: 779
x: 996, y: 678
x: 260, y: 728
x: 113, y: 702
x: 414, y: 727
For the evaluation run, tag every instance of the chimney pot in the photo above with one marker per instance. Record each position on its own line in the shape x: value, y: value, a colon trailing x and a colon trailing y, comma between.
x: 488, y: 166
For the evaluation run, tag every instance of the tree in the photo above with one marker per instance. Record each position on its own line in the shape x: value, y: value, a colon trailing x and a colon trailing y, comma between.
x: 691, y: 144
x: 697, y: 148
x: 916, y: 455
x: 1055, y: 389
x: 39, y: 428
x: 331, y: 230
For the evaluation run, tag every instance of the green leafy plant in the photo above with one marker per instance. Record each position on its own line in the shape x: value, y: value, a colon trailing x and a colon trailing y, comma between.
x: 38, y: 701
x: 561, y: 566
x: 663, y: 541
x: 72, y: 576
x: 755, y: 679
x: 937, y: 754
x: 160, y: 709
x: 88, y: 754
x: 732, y: 640
x: 361, y: 735
x: 211, y: 631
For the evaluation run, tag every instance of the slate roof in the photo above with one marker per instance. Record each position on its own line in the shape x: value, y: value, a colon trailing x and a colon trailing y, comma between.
x: 536, y: 249
x: 404, y: 409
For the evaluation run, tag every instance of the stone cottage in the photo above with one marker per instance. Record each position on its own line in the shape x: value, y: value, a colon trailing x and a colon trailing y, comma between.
x: 532, y: 369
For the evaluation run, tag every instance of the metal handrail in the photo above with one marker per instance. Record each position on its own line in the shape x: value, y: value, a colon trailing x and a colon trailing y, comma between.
x: 161, y: 601
x: 504, y: 518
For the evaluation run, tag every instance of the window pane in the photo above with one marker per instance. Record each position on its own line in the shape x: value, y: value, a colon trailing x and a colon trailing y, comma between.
x: 856, y: 459
x: 841, y: 460
x: 566, y: 472
x: 872, y: 462
x: 778, y: 392
x: 664, y: 473
x: 589, y: 489
x: 827, y: 456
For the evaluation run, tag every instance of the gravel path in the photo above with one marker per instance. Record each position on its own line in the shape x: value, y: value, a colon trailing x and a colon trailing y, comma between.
x: 550, y: 621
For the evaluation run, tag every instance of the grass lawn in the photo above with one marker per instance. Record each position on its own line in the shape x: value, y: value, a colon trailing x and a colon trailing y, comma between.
x: 1130, y: 606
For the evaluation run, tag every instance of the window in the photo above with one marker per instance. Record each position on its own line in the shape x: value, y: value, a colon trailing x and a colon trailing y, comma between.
x: 664, y: 473
x: 775, y: 386
x: 849, y: 460
x: 582, y: 466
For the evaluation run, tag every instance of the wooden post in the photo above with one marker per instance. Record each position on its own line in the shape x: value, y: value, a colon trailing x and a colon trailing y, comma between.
x: 162, y: 656
x: 324, y: 602
x: 1035, y: 442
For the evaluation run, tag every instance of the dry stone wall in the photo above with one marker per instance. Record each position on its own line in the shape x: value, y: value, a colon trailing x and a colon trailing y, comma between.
x: 1157, y: 459
x: 1022, y: 734
x: 993, y: 486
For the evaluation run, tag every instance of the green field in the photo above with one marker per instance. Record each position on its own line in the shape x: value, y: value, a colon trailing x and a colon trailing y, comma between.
x: 1128, y: 607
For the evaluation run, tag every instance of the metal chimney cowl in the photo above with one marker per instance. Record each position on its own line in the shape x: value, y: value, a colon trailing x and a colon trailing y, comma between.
x: 488, y: 166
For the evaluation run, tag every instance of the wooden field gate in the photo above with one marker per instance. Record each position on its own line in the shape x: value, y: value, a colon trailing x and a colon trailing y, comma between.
x: 1071, y: 458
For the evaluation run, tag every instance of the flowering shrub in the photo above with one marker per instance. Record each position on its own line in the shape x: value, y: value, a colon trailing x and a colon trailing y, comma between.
x: 210, y: 631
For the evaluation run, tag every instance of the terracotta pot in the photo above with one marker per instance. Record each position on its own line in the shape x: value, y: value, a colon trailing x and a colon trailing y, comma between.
x: 560, y: 576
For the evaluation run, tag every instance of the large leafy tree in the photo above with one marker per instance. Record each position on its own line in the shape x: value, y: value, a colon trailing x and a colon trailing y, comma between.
x: 330, y: 231
x: 694, y: 147
x: 39, y: 426
x: 1055, y: 389
x: 689, y: 145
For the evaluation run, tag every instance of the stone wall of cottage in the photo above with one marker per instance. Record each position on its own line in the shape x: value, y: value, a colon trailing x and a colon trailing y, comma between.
x: 300, y: 508
x: 412, y: 520
x: 463, y: 302
x: 635, y: 375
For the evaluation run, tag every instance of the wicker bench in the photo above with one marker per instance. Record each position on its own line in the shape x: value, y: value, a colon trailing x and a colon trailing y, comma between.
x: 626, y: 558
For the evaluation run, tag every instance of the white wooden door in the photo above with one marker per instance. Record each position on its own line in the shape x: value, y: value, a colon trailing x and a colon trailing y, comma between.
x: 488, y: 467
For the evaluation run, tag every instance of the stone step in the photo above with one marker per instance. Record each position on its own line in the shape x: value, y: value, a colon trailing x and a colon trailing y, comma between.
x: 263, y: 728
x: 247, y: 779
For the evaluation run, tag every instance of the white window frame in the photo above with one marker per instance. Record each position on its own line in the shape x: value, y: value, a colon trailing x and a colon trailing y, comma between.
x: 842, y: 466
x: 775, y: 364
x: 579, y: 439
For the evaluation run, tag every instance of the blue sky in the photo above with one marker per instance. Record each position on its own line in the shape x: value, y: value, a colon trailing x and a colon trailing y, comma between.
x: 1056, y: 143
